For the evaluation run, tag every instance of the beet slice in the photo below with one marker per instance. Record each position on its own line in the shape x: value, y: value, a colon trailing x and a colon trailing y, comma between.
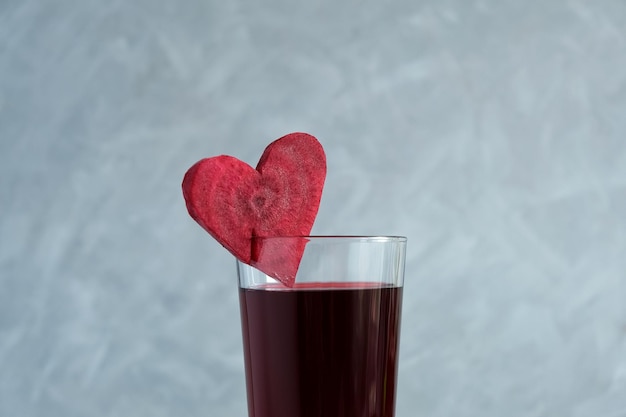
x: 236, y: 203
x: 278, y: 257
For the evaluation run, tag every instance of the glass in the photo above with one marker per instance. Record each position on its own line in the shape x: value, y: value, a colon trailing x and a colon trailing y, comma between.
x: 328, y: 347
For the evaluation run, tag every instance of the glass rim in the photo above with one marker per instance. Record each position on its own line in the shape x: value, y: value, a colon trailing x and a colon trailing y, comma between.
x: 365, y: 238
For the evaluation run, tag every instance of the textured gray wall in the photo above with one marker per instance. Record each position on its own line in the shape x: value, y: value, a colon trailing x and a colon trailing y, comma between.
x: 491, y: 133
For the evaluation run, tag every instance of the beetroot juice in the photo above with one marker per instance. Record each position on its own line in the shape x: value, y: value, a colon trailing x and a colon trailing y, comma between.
x: 321, y: 350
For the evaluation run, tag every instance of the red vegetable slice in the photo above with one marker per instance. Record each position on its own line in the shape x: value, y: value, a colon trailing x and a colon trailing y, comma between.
x: 235, y: 202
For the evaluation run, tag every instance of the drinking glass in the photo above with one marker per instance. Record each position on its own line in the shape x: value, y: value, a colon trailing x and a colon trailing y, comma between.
x: 328, y: 346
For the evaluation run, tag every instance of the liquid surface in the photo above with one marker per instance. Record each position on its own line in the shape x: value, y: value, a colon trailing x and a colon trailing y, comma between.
x: 319, y: 351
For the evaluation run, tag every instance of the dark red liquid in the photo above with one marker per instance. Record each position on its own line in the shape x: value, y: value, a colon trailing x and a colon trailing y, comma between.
x: 315, y: 352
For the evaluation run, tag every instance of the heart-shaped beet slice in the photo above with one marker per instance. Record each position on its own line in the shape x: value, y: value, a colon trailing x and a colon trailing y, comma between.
x: 236, y: 203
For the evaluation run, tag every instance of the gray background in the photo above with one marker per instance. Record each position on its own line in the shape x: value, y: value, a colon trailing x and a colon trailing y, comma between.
x: 491, y: 133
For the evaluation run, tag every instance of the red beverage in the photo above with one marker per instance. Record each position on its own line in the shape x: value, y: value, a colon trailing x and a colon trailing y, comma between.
x: 321, y: 350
